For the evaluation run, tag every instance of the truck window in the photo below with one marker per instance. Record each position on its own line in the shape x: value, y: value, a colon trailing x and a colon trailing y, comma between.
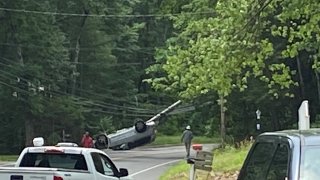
x: 258, y: 162
x: 104, y: 165
x: 280, y: 164
x: 310, y: 163
x: 53, y: 160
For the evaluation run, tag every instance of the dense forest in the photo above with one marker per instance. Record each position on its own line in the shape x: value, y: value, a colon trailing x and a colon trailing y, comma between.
x: 72, y: 66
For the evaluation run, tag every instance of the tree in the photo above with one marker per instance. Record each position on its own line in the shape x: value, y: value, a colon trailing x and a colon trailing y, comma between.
x: 244, y: 40
x: 34, y: 59
x: 208, y: 55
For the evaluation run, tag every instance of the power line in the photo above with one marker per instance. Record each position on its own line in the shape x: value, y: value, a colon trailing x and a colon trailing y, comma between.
x: 90, y: 109
x: 115, y: 113
x: 82, y: 103
x: 81, y: 90
x: 88, y: 101
x: 101, y: 15
x: 129, y: 108
x: 32, y: 46
x: 177, y: 111
x: 49, y: 80
x: 143, y: 50
x: 14, y: 87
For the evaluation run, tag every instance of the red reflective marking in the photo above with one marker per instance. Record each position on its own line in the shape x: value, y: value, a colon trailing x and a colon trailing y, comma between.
x: 57, y: 178
x: 54, y: 150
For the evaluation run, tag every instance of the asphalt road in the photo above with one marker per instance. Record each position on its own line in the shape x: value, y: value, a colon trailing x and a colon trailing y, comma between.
x: 146, y: 163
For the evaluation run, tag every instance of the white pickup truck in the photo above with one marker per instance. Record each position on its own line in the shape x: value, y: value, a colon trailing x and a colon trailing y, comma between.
x: 63, y: 163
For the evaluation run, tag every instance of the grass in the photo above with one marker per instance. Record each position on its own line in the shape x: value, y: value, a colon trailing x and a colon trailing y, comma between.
x: 8, y: 157
x: 225, y: 160
x: 169, y: 140
x: 230, y: 159
x: 177, y: 172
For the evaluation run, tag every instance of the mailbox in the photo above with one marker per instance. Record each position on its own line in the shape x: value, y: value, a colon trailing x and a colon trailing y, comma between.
x: 203, y: 161
x: 197, y: 147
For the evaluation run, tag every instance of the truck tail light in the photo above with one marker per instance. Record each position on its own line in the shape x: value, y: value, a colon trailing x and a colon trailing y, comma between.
x: 53, y: 150
x: 57, y: 178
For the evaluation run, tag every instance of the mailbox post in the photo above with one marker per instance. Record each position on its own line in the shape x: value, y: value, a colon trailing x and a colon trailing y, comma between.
x: 202, y: 161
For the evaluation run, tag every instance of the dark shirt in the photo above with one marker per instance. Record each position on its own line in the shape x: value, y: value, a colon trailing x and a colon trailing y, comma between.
x: 187, y: 136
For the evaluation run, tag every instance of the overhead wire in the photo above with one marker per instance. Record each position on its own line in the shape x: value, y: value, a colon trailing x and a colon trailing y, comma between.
x: 94, y: 110
x: 98, y: 63
x: 86, y: 101
x: 46, y: 99
x: 26, y: 80
x: 89, y: 102
x: 88, y: 92
x: 101, y: 15
x: 86, y: 48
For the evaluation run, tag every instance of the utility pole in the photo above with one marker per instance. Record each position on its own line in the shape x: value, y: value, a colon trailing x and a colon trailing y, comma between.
x: 77, y: 52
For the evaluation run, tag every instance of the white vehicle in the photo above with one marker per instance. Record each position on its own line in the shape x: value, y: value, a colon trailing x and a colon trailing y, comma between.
x: 63, y: 163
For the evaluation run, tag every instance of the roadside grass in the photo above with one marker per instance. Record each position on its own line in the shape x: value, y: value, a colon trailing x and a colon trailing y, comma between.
x: 171, y: 140
x: 177, y: 172
x: 8, y: 157
x: 227, y: 160
x: 230, y: 159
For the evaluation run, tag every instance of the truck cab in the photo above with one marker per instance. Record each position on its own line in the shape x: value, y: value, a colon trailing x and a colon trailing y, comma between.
x: 283, y: 155
x: 63, y: 162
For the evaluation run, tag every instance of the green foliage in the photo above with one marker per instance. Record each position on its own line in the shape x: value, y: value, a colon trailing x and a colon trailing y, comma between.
x: 170, y: 127
x: 206, y: 56
x: 229, y: 159
x: 106, y: 124
x: 274, y: 41
x: 54, y: 138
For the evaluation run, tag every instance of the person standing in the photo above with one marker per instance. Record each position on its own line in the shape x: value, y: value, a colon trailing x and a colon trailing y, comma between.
x: 186, y: 138
x: 87, y: 140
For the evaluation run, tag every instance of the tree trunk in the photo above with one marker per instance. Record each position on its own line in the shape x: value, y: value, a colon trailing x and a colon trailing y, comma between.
x: 301, y: 82
x: 275, y: 120
x: 29, y: 131
x: 222, y: 122
x: 318, y: 85
x: 76, y: 55
x: 28, y: 122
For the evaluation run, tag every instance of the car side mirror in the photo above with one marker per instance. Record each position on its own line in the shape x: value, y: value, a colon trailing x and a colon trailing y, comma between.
x: 123, y: 172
